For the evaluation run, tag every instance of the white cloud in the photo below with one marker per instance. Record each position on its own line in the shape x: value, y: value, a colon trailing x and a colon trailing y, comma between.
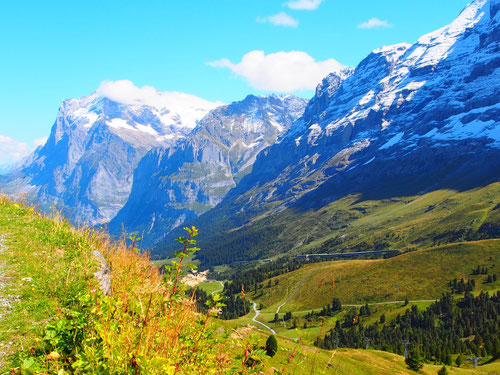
x: 11, y: 152
x: 280, y: 19
x: 125, y: 92
x: 280, y: 71
x: 303, y: 4
x: 372, y: 23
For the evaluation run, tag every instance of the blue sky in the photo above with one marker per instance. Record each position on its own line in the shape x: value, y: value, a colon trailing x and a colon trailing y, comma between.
x: 53, y: 50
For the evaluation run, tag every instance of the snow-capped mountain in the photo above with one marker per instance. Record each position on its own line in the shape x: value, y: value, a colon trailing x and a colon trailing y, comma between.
x: 178, y: 183
x: 410, y: 118
x: 437, y: 96
x: 87, y: 163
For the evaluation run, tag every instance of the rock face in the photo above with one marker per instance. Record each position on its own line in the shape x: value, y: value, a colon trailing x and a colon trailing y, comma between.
x: 178, y: 183
x: 409, y: 119
x: 96, y: 142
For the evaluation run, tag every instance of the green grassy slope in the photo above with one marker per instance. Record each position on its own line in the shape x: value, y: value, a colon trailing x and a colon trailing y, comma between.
x: 43, y: 266
x: 55, y: 320
x: 422, y: 274
x: 311, y: 360
x: 352, y: 224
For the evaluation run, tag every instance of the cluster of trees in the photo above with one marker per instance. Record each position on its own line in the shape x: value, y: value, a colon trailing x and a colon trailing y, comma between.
x: 469, y: 325
x: 460, y: 286
x: 491, y: 278
x: 328, y: 310
x: 480, y: 271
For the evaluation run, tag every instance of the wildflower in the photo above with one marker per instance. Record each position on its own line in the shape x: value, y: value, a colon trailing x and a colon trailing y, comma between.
x: 241, y: 332
x: 194, y: 279
x: 215, y: 310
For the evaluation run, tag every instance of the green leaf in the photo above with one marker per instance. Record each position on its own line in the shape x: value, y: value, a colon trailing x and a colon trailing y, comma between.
x: 27, y: 363
x: 182, y: 240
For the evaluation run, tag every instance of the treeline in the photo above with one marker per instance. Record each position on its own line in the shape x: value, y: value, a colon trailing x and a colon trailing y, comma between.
x: 243, y: 245
x: 251, y: 280
x: 328, y: 310
x: 460, y: 286
x: 467, y: 326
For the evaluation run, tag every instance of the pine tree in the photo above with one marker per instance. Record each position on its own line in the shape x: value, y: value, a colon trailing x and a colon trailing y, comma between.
x: 443, y: 371
x: 458, y: 361
x: 271, y: 346
x: 414, y: 361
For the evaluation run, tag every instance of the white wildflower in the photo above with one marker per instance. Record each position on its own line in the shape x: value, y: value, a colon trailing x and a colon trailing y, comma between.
x: 194, y: 279
x: 215, y: 310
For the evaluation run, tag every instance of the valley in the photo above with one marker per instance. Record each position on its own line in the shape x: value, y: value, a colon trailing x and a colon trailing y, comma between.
x: 357, y: 232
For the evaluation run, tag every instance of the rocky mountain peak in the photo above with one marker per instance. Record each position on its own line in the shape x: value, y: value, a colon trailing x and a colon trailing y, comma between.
x: 178, y: 183
x: 86, y: 165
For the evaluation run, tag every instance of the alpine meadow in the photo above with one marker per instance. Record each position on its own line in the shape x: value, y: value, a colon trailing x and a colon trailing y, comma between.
x: 289, y: 215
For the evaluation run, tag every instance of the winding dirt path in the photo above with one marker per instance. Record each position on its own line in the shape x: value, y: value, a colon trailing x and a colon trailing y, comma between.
x: 254, y: 319
x: 218, y: 290
x: 6, y: 299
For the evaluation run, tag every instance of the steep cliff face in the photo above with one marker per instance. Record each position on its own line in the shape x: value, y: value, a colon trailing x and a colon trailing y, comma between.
x: 410, y: 119
x: 86, y: 166
x: 178, y: 183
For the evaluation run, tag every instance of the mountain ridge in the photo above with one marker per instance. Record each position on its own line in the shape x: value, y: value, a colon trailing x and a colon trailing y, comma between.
x: 410, y: 119
x: 175, y: 184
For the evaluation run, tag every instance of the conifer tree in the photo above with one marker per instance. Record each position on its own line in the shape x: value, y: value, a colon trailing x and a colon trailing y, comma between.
x: 271, y: 346
x: 414, y: 361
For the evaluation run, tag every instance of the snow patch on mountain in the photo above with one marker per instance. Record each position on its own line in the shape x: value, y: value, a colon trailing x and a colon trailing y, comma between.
x: 392, y: 141
x: 171, y: 107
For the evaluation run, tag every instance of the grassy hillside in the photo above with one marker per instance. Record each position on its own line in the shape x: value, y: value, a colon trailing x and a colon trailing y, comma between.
x: 351, y: 223
x: 297, y: 358
x: 422, y: 274
x: 54, y: 318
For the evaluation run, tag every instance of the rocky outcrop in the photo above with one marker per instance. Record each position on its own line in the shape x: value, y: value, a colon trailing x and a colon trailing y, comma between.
x: 103, y: 273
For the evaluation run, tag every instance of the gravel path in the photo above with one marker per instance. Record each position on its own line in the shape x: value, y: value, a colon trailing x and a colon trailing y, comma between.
x: 5, y: 299
x: 257, y: 313
x: 218, y: 290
